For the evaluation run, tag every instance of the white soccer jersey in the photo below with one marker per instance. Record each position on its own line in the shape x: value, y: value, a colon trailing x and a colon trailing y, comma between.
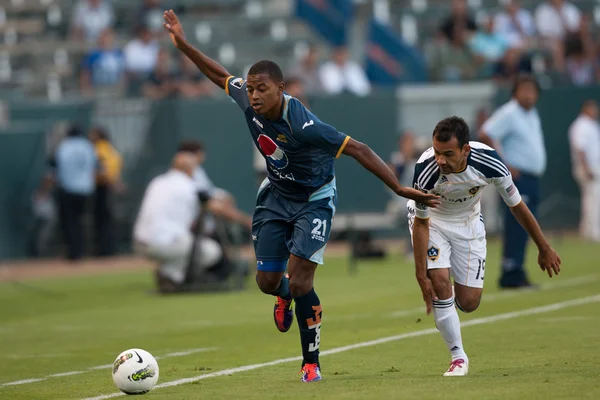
x: 460, y: 192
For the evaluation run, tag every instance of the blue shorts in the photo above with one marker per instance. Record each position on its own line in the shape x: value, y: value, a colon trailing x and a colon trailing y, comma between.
x: 281, y: 227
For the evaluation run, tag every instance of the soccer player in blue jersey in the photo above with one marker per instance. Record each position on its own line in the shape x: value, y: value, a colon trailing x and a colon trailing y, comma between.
x: 296, y: 203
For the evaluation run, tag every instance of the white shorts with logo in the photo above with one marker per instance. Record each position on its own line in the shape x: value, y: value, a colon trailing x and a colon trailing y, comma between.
x: 460, y: 247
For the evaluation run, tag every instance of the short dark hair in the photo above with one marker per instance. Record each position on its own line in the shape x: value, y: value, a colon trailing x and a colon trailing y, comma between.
x: 191, y: 146
x: 524, y: 79
x: 267, y: 67
x: 451, y: 127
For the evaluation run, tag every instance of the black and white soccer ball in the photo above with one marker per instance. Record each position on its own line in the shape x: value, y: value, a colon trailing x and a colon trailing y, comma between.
x: 135, y: 371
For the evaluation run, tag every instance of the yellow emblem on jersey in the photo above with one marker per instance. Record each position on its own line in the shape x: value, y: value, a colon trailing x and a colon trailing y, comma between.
x: 281, y: 138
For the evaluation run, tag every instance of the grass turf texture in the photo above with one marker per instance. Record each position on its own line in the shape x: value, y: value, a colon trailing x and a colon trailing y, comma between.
x: 71, y: 324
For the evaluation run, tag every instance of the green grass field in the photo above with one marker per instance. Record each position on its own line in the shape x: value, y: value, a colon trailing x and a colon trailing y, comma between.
x: 68, y: 326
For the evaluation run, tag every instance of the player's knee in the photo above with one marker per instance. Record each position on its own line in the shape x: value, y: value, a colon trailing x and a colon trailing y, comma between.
x: 300, y: 285
x: 467, y: 305
x: 441, y: 285
x: 267, y: 283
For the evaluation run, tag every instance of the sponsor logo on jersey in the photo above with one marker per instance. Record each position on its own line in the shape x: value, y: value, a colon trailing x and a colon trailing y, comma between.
x: 281, y: 138
x: 474, y: 190
x: 273, y: 153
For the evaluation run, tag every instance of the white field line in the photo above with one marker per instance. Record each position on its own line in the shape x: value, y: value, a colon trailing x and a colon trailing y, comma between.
x: 105, y: 366
x: 574, y: 282
x: 478, y: 321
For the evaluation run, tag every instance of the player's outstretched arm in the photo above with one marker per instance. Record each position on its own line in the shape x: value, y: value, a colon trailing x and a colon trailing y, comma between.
x: 548, y: 259
x: 420, y: 241
x: 209, y: 67
x: 373, y: 163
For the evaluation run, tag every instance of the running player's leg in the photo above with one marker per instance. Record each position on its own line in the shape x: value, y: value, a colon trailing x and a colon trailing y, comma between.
x: 444, y: 313
x: 307, y: 245
x: 468, y: 270
x: 270, y: 233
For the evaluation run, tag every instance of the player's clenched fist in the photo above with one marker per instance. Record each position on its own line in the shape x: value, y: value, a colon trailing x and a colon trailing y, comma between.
x: 175, y: 29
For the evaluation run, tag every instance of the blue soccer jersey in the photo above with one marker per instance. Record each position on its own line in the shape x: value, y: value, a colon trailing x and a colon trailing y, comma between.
x: 299, y: 148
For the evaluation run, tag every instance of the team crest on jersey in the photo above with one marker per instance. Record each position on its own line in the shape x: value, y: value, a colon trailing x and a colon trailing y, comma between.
x: 281, y: 138
x: 433, y: 253
x: 238, y: 83
x: 274, y: 154
x: 474, y: 190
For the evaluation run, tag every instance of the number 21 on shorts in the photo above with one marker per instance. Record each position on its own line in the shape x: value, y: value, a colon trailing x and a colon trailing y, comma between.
x: 319, y: 231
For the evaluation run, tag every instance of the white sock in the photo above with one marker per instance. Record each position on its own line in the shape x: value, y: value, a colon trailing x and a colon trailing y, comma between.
x: 447, y: 322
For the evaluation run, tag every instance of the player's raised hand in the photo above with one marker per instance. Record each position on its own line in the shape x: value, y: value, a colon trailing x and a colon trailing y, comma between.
x: 430, y: 200
x: 175, y: 29
x: 428, y: 293
x: 549, y: 261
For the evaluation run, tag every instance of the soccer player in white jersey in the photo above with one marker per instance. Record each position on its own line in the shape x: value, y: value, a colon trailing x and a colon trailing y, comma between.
x: 449, y: 241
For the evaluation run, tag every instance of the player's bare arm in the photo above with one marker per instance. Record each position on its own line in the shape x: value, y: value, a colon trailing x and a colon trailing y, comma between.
x: 209, y: 67
x: 420, y: 241
x: 548, y: 259
x: 373, y: 163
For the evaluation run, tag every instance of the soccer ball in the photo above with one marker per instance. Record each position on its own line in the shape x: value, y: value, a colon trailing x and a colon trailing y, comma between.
x: 135, y: 371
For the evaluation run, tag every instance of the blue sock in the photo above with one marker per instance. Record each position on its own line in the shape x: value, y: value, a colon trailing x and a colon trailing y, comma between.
x: 284, y: 288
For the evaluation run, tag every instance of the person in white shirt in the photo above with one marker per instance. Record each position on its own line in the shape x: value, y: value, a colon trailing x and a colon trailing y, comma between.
x: 584, y: 140
x: 515, y: 25
x: 450, y: 240
x: 556, y: 18
x: 141, y: 53
x: 555, y: 21
x: 163, y: 229
x: 342, y: 75
x: 90, y: 19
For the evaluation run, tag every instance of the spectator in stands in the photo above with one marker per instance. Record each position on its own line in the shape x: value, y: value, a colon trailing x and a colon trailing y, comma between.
x: 342, y: 75
x: 161, y: 82
x: 554, y: 20
x: 459, y: 24
x: 451, y: 59
x: 90, y: 19
x: 584, y: 138
x: 511, y: 66
x: 190, y: 82
x: 74, y: 166
x: 488, y: 47
x: 580, y: 53
x: 515, y: 24
x: 108, y: 181
x: 103, y: 67
x: 151, y: 15
x: 295, y: 88
x: 141, y: 53
x: 307, y: 71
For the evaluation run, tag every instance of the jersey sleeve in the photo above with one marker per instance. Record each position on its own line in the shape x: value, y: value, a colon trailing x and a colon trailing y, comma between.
x: 421, y: 210
x: 307, y: 128
x: 496, y: 172
x: 236, y: 89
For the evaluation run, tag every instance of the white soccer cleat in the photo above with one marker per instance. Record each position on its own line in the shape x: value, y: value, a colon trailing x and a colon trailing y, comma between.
x: 458, y: 367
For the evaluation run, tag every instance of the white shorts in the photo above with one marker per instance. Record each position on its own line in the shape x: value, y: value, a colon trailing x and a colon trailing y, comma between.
x: 462, y: 248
